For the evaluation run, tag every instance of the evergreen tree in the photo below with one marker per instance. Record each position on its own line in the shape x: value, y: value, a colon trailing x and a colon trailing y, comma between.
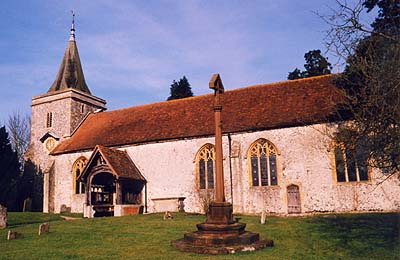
x: 180, y: 89
x: 9, y: 171
x: 296, y: 74
x: 30, y: 185
x: 315, y: 65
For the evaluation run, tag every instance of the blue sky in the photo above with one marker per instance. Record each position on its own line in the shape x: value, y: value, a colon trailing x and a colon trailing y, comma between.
x: 131, y: 51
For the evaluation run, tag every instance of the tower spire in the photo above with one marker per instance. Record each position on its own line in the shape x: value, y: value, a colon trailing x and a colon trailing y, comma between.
x: 70, y: 75
x: 72, y: 33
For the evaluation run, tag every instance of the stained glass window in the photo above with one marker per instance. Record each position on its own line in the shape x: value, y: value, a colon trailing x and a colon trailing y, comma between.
x: 262, y: 160
x: 210, y: 174
x: 254, y: 170
x: 205, y: 164
x: 264, y: 170
x: 272, y: 167
x: 202, y: 172
x: 77, y: 169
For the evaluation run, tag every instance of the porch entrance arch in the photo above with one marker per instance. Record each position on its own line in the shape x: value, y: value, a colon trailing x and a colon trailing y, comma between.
x: 103, y: 189
x: 114, y: 184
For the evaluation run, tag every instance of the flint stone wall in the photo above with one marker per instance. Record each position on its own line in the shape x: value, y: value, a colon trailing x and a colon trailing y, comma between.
x: 305, y: 159
x: 66, y: 109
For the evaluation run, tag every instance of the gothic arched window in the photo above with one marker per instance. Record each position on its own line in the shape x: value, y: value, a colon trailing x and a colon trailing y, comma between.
x: 351, y: 165
x: 77, y: 169
x: 205, y: 166
x: 262, y: 163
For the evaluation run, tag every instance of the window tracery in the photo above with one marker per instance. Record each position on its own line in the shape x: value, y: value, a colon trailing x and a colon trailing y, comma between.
x: 77, y: 169
x: 350, y: 165
x: 262, y: 163
x: 205, y: 161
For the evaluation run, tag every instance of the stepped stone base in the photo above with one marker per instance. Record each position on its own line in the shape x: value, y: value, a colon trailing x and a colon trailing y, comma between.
x: 183, y: 245
x: 220, y: 234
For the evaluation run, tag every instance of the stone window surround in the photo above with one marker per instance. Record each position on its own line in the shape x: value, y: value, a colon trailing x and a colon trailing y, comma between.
x: 334, y: 146
x: 78, y: 165
x: 271, y: 148
x: 199, y: 156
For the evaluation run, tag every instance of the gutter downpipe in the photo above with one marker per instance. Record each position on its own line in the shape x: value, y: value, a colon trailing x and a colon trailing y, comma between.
x: 145, y: 197
x: 230, y: 164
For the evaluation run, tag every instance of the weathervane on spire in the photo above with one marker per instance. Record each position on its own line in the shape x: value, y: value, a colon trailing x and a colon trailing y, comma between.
x: 72, y: 34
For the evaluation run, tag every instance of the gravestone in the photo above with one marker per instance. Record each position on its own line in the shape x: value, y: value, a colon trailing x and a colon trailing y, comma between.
x: 263, y: 217
x: 65, y: 209
x: 27, y: 205
x: 3, y: 217
x: 14, y: 235
x: 167, y: 215
x: 181, y: 204
x: 44, y: 228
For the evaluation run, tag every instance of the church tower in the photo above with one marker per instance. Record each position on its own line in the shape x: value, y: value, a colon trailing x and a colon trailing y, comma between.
x: 57, y: 113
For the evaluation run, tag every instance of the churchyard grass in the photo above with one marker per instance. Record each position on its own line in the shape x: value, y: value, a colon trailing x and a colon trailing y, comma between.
x: 349, y: 236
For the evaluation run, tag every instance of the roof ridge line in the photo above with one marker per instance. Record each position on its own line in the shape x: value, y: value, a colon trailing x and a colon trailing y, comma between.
x: 287, y: 81
x: 226, y: 91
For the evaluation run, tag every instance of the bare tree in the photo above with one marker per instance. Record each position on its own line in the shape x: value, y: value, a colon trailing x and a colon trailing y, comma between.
x: 371, y: 79
x: 19, y: 128
x: 349, y: 23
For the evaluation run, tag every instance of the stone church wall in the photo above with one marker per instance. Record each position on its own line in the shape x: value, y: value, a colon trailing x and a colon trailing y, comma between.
x: 61, y: 118
x: 304, y: 159
x: 67, y: 113
x: 170, y: 170
x: 66, y: 109
x: 64, y: 193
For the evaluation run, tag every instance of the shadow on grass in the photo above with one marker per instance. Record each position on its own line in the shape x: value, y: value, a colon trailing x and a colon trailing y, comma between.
x: 358, y: 234
x: 16, y: 219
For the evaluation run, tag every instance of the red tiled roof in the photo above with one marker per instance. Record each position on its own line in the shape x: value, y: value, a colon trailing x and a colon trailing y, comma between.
x: 118, y: 161
x: 260, y: 107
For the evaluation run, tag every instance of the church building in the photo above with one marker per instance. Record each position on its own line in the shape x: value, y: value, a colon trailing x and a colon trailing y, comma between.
x: 278, y: 154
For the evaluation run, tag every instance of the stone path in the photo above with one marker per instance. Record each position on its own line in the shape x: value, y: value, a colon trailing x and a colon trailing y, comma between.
x: 70, y: 218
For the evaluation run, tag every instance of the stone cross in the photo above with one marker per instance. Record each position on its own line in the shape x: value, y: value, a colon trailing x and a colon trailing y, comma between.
x: 218, y: 87
x: 44, y: 228
x: 3, y: 217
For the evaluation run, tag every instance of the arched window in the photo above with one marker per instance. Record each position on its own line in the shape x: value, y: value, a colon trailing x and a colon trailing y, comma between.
x: 262, y: 163
x: 77, y: 186
x: 205, y: 166
x: 351, y: 165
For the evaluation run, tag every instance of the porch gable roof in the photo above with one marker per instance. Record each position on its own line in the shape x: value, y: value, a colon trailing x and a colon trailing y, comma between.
x: 118, y: 161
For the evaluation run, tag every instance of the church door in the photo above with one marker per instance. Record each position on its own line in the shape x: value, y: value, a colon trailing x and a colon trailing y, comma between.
x: 293, y: 196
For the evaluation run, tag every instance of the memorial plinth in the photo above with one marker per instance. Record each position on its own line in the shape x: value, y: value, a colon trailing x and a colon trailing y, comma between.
x: 220, y: 234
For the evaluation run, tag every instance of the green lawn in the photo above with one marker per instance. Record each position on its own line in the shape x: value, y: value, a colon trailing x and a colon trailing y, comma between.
x: 356, y: 236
